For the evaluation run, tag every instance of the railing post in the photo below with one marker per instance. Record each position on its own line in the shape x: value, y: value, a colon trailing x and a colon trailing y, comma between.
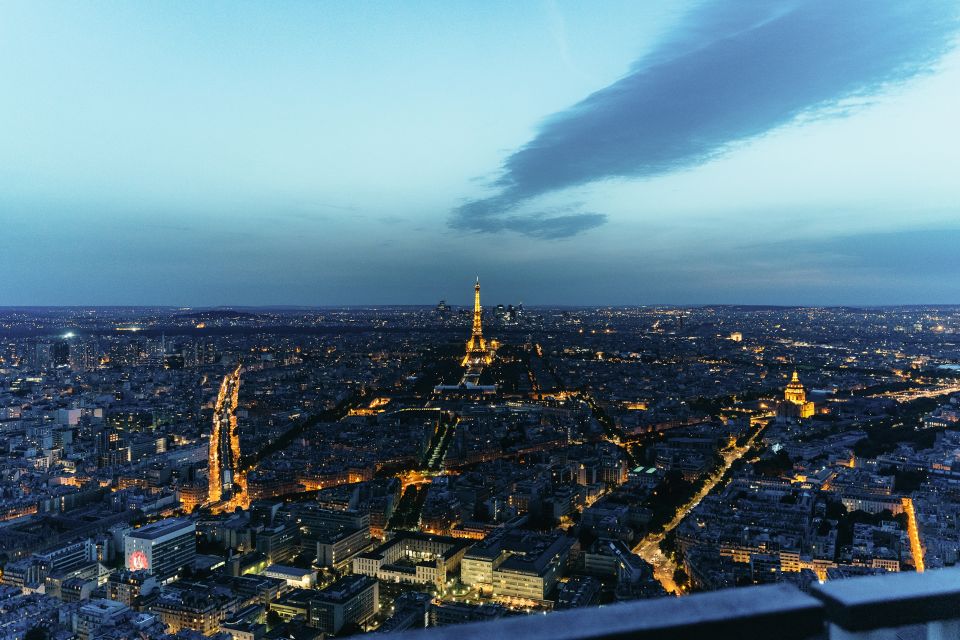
x: 872, y: 608
x: 944, y: 630
x: 839, y: 633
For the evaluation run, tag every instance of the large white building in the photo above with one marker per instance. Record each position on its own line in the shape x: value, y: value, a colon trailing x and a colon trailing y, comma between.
x: 295, y: 577
x: 414, y: 558
x: 161, y: 548
x: 516, y: 564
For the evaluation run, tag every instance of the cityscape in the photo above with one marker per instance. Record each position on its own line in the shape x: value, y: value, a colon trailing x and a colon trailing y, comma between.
x: 273, y: 473
x: 453, y: 320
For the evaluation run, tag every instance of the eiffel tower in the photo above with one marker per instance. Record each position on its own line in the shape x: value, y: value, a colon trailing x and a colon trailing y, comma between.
x: 478, y: 353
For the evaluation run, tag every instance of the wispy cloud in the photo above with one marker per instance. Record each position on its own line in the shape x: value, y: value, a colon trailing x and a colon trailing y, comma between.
x: 732, y: 71
x: 557, y: 25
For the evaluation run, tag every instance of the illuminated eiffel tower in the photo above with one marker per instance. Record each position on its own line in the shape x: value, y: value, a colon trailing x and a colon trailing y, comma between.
x: 478, y: 352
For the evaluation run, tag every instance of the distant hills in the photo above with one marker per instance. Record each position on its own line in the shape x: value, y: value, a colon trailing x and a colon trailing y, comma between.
x: 217, y: 314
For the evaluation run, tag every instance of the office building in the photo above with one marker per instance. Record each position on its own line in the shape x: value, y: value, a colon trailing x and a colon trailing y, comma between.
x: 352, y: 600
x: 162, y: 548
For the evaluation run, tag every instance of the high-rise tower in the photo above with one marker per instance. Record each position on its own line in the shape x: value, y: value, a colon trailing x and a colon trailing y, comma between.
x: 477, y: 351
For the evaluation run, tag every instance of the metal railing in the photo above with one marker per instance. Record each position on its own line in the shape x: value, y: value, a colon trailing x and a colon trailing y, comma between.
x: 885, y: 607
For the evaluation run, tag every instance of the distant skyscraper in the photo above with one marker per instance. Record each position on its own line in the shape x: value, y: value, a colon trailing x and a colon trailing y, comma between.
x: 61, y: 353
x: 39, y: 356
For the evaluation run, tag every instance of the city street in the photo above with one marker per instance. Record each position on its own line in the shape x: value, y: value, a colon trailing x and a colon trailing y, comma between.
x: 649, y: 547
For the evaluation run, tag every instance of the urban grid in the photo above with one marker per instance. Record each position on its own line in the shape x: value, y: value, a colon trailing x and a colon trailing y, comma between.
x: 268, y: 473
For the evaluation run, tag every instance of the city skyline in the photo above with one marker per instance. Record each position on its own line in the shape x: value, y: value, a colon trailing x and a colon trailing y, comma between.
x: 449, y: 319
x: 329, y: 472
x: 678, y: 154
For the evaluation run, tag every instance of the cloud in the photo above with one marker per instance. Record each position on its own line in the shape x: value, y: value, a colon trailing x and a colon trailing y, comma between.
x: 548, y: 224
x: 733, y: 70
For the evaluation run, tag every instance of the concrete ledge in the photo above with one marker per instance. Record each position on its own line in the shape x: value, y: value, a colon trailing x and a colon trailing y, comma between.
x: 892, y: 600
x: 779, y: 612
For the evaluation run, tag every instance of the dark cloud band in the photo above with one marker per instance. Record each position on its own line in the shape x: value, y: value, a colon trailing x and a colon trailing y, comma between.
x: 732, y: 71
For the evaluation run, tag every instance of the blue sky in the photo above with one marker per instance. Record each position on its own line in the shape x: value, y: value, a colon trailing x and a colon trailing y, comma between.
x: 784, y: 152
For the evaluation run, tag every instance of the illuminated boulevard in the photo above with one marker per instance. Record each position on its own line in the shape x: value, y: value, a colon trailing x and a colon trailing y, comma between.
x: 224, y: 456
x: 914, y: 394
x: 649, y: 547
x: 916, y: 548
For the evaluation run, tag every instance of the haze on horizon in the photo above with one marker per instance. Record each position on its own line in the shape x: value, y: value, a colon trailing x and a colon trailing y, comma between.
x: 785, y: 152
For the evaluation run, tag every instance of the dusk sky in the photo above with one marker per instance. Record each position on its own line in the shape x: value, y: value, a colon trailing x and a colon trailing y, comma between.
x: 328, y: 153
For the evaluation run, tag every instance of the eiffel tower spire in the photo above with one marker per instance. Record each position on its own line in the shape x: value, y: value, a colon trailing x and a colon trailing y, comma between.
x: 478, y: 352
x: 477, y: 311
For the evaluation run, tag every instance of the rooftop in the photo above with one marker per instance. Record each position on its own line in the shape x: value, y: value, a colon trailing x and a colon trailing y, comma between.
x: 344, y: 588
x: 162, y: 528
x: 451, y: 545
x: 286, y: 570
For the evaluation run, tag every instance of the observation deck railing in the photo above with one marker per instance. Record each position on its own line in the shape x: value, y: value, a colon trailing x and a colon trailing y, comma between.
x: 887, y: 607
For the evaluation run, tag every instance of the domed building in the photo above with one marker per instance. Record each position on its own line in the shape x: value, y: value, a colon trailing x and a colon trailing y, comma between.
x: 794, y: 403
x: 795, y: 392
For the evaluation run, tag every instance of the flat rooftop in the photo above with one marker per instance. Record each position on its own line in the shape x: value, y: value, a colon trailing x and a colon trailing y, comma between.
x: 286, y: 570
x: 160, y: 529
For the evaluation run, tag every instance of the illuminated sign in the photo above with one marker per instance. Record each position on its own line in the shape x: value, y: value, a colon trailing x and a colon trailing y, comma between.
x: 138, y: 561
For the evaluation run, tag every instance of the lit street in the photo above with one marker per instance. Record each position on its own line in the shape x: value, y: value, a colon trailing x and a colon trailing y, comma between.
x: 649, y: 547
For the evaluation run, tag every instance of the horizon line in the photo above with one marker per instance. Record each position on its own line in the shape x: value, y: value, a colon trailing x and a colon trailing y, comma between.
x: 299, y: 307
